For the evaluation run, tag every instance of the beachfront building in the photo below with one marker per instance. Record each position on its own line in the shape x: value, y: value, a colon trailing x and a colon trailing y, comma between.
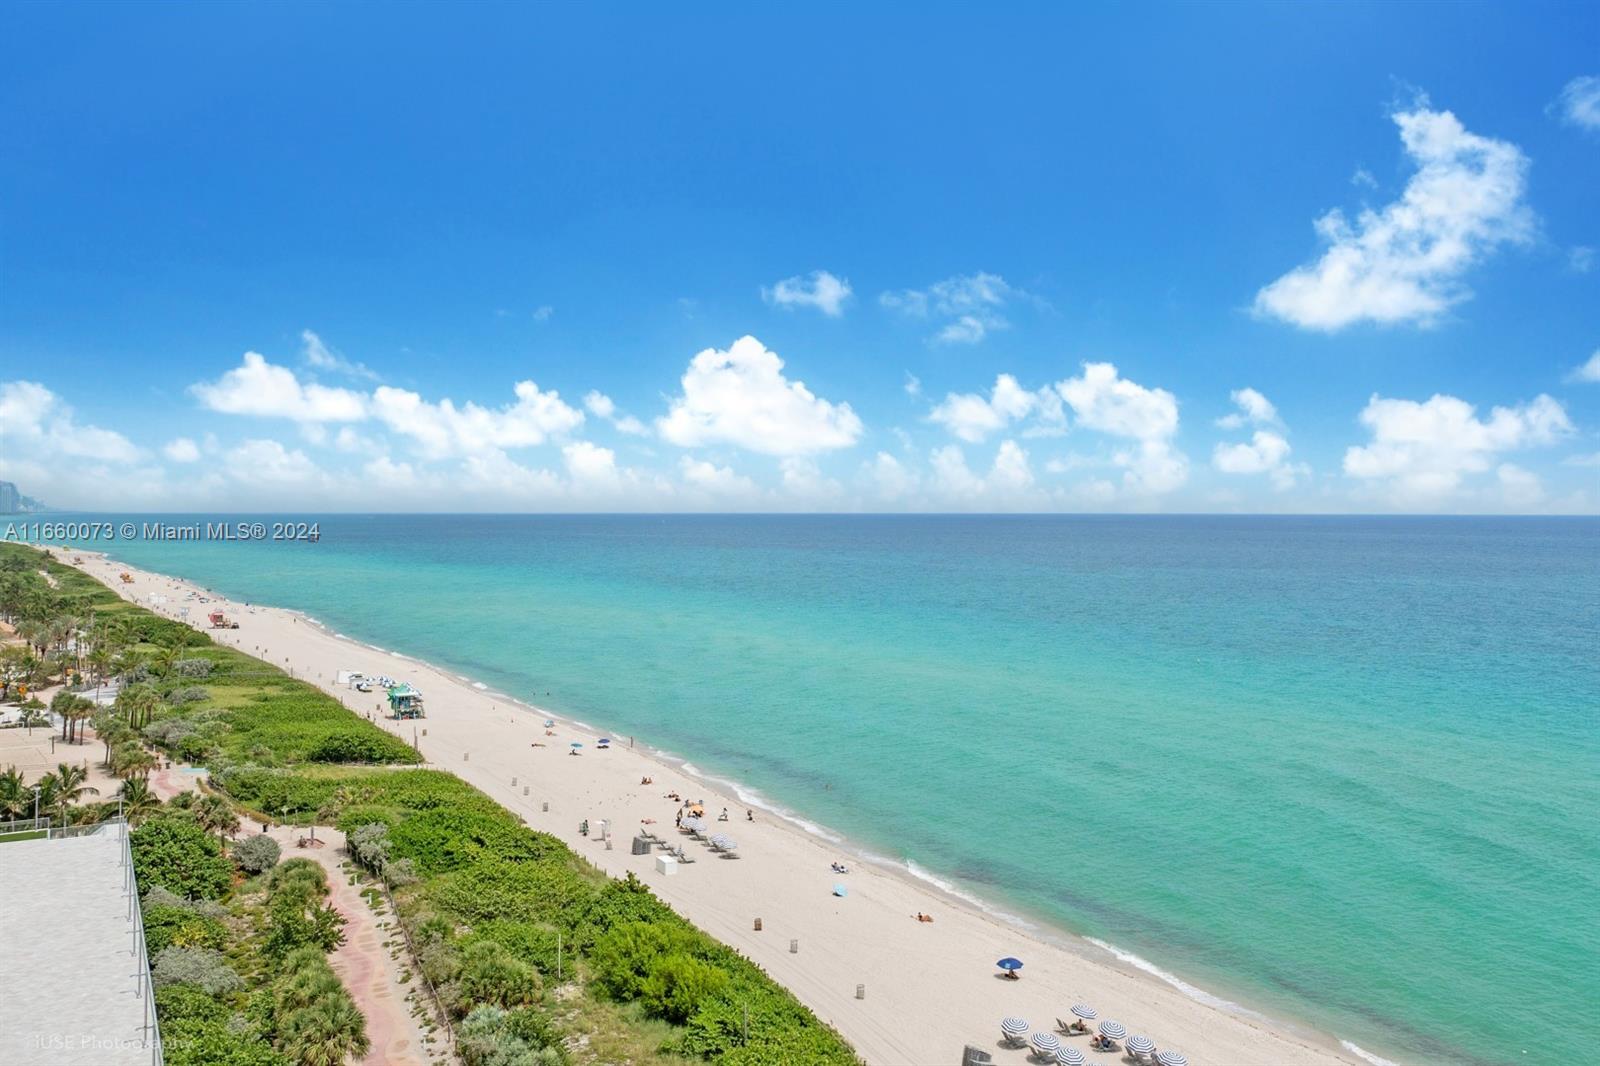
x: 72, y: 938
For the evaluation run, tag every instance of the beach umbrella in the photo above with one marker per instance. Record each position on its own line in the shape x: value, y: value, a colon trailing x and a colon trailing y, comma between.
x: 1140, y: 1045
x: 840, y: 890
x: 577, y: 744
x: 1014, y: 1028
x: 1084, y: 1011
x: 1046, y: 1043
x: 1112, y: 1031
x: 1009, y: 964
x: 549, y: 723
x: 1069, y: 1056
x: 1171, y: 1058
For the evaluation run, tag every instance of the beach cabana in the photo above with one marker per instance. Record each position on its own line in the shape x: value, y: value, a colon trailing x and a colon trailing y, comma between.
x: 1014, y: 1030
x: 1069, y: 1056
x: 1045, y: 1045
x: 1172, y: 1058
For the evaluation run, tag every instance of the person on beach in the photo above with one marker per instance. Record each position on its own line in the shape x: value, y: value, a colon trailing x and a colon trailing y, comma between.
x: 749, y: 815
x: 723, y: 817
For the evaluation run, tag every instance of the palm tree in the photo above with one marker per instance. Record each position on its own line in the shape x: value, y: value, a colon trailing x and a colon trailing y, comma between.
x: 71, y: 785
x: 215, y: 814
x: 327, y: 1032
x: 138, y: 802
x: 33, y: 716
x: 131, y: 759
x: 140, y: 703
x: 16, y: 798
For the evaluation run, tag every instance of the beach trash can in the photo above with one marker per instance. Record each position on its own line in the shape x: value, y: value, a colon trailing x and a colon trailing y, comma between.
x: 758, y: 925
x: 666, y: 865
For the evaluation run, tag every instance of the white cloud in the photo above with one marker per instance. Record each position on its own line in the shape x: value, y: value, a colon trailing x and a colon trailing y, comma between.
x: 443, y: 429
x: 1404, y: 263
x: 803, y: 479
x: 543, y: 312
x: 591, y: 466
x: 888, y: 477
x: 1108, y: 403
x: 181, y: 450
x: 1254, y: 409
x: 1267, y: 453
x: 1421, y: 453
x: 1581, y: 258
x: 718, y: 480
x: 819, y: 289
x: 257, y: 387
x: 319, y: 355
x: 913, y: 385
x: 1518, y: 487
x: 1267, y: 450
x: 1580, y: 102
x: 268, y: 462
x: 970, y: 304
x: 601, y: 406
x: 1591, y: 459
x: 741, y: 397
x: 1589, y: 372
x: 971, y: 417
x: 1006, y: 485
x: 36, y: 423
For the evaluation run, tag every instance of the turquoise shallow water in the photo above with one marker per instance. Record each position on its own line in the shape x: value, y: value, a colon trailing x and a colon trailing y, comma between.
x: 1345, y: 770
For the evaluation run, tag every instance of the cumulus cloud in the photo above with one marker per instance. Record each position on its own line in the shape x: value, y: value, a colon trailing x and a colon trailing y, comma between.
x: 888, y: 478
x: 740, y: 396
x: 819, y: 289
x: 1589, y: 372
x: 1421, y: 453
x: 1580, y: 102
x: 1254, y: 409
x: 1006, y: 482
x: 257, y: 387
x: 268, y: 462
x: 969, y: 305
x: 972, y: 417
x: 443, y: 429
x: 601, y: 406
x: 181, y: 450
x: 317, y: 354
x: 1104, y: 401
x: 1404, y: 262
x: 36, y: 423
x: 714, y: 479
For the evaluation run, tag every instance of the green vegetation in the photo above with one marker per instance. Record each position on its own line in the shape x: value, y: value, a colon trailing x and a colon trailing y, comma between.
x: 538, y: 956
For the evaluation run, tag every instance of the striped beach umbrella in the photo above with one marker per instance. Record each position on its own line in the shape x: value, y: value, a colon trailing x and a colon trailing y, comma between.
x: 1140, y: 1045
x: 1112, y: 1030
x: 1069, y: 1056
x: 1014, y: 1028
x: 1084, y: 1011
x: 1046, y: 1043
x: 1171, y: 1058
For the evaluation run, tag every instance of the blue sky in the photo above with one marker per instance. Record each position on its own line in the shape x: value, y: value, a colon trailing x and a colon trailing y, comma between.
x: 1025, y: 259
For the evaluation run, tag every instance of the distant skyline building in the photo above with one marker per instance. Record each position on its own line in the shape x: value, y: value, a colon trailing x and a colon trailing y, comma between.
x: 10, y: 498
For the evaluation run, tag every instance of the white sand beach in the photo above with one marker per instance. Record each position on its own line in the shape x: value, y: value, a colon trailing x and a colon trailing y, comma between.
x: 927, y: 989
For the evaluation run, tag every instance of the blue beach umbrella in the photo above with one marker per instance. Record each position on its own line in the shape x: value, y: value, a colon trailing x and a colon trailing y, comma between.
x: 1084, y: 1011
x: 1014, y: 1028
x: 549, y: 723
x: 840, y: 890
x: 1140, y: 1045
x: 1046, y: 1043
x: 1069, y: 1056
x: 1112, y: 1031
x: 1171, y: 1058
x: 577, y: 744
x: 1009, y: 964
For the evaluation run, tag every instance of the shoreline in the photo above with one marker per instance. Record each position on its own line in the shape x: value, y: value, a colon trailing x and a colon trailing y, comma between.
x: 1209, y: 1028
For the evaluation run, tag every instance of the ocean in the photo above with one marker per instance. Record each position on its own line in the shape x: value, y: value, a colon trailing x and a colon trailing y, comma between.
x: 1342, y: 770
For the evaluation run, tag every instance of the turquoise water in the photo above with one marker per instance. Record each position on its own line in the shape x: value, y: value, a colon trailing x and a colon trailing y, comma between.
x: 1345, y: 770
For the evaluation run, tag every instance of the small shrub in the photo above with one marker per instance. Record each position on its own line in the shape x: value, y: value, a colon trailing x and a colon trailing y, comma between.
x: 491, y: 974
x: 256, y: 854
x: 202, y: 967
x: 178, y: 855
x: 192, y: 667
